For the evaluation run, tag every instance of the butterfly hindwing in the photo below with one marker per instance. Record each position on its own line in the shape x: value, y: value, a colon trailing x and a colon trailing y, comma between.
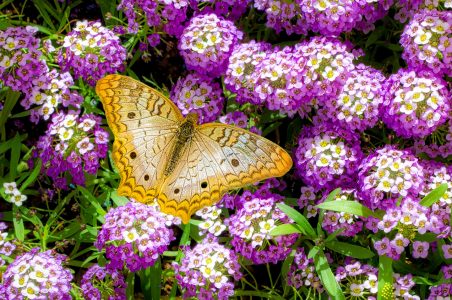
x: 220, y: 158
x: 144, y: 123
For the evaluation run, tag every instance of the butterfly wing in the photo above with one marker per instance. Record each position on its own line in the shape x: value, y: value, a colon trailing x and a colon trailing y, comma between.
x: 219, y: 158
x: 144, y: 123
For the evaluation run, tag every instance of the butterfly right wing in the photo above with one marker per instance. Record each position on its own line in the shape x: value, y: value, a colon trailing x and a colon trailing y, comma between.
x: 144, y: 123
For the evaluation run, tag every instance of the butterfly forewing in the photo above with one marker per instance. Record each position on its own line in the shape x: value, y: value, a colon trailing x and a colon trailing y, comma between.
x: 144, y: 124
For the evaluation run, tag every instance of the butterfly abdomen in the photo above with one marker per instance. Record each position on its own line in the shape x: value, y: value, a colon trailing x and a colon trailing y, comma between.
x: 183, y: 137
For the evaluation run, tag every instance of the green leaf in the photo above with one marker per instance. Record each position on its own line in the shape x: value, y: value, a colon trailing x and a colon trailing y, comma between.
x: 33, y: 175
x: 92, y: 201
x: 434, y: 195
x: 285, y: 229
x: 11, y: 99
x: 327, y: 277
x: 385, y: 279
x: 150, y: 280
x: 72, y: 229
x: 19, y: 229
x: 375, y: 35
x: 15, y: 156
x: 349, y: 249
x: 117, y: 199
x: 331, y: 196
x: 298, y: 218
x: 346, y: 206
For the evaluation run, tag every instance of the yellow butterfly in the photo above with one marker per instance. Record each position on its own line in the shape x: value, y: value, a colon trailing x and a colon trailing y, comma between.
x: 185, y: 166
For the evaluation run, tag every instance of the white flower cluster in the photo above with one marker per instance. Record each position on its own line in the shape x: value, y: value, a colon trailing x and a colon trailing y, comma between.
x: 13, y: 194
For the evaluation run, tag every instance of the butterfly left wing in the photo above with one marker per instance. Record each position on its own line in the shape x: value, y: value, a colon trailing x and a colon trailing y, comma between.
x: 144, y: 123
x: 219, y: 158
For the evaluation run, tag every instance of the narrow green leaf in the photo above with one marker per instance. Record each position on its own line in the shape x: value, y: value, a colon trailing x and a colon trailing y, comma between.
x: 349, y: 249
x: 298, y: 218
x: 15, y: 156
x: 346, y: 206
x: 92, y: 201
x: 313, y: 252
x: 130, y: 290
x: 385, y: 279
x: 150, y: 281
x: 72, y: 229
x: 331, y: 196
x: 11, y: 99
x: 33, y: 175
x: 327, y: 277
x: 434, y: 195
x: 19, y: 229
x: 375, y: 35
x: 41, y: 7
x: 285, y: 229
x: 117, y: 199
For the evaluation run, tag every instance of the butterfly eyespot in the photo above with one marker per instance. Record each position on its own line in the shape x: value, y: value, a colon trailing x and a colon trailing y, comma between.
x: 204, y: 185
x: 176, y: 191
x: 235, y: 162
x: 146, y: 177
x: 133, y: 155
x: 131, y: 115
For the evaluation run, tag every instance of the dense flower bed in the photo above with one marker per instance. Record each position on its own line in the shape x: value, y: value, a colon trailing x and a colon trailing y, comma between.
x: 358, y: 92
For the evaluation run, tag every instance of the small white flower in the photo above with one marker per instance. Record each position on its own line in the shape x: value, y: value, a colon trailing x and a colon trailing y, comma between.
x: 323, y: 160
x: 267, y: 226
x: 356, y: 290
x: 10, y: 187
x: 217, y: 228
x: 247, y: 233
x: 385, y: 184
x: 31, y: 291
x: 84, y: 145
x: 20, y: 280
x: 87, y: 124
x: 40, y: 274
x: 257, y: 240
x: 130, y: 235
x: 18, y: 198
x: 422, y: 37
x: 65, y: 134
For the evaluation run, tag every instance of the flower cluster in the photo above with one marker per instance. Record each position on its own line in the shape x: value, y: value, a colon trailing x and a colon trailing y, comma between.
x: 309, y: 199
x: 442, y: 291
x: 91, y: 51
x: 361, y: 281
x: 37, y: 274
x: 327, y: 64
x: 283, y: 15
x: 23, y: 68
x: 426, y: 41
x: 387, y: 174
x: 103, y: 283
x: 6, y: 246
x: 212, y: 223
x: 72, y: 144
x: 416, y: 102
x: 302, y: 273
x: 438, y: 144
x: 408, y: 8
x: 250, y: 229
x: 206, y: 271
x: 207, y: 43
x: 349, y: 223
x: 134, y: 235
x: 357, y: 105
x: 327, y: 156
x: 13, y: 194
x: 196, y: 93
x: 20, y: 58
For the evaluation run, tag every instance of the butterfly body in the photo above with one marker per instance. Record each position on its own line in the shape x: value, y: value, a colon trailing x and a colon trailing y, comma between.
x: 163, y: 156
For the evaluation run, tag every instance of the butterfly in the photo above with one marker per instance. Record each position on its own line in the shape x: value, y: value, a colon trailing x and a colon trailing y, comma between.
x: 162, y: 155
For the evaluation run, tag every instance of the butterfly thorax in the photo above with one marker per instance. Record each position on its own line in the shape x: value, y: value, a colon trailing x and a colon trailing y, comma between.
x: 183, y: 137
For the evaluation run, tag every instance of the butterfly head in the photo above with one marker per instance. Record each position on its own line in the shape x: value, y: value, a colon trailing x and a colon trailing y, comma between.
x: 192, y: 118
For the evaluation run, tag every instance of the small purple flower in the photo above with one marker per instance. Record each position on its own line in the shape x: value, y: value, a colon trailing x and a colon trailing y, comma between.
x: 420, y: 249
x: 383, y: 246
x: 134, y: 235
x: 206, y: 271
x: 198, y: 94
x: 207, y: 43
x: 91, y: 51
x: 250, y: 229
x: 103, y: 283
x: 37, y: 274
x: 440, y: 292
x: 447, y: 251
x: 427, y: 41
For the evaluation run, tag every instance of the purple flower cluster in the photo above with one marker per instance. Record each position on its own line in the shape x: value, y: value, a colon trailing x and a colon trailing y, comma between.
x: 196, y: 93
x: 442, y: 291
x: 6, y: 246
x: 23, y: 68
x: 206, y: 271
x: 361, y: 281
x: 100, y: 283
x: 358, y: 102
x: 387, y: 174
x: 207, y: 43
x: 427, y: 41
x: 438, y: 144
x: 416, y: 102
x: 349, y: 223
x: 250, y: 229
x: 327, y: 17
x: 328, y: 156
x: 91, y: 51
x: 302, y: 273
x: 37, y: 275
x: 135, y: 235
x: 309, y: 199
x: 74, y: 145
